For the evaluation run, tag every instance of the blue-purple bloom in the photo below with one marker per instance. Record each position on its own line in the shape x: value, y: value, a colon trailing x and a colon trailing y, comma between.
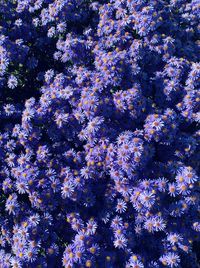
x: 99, y: 133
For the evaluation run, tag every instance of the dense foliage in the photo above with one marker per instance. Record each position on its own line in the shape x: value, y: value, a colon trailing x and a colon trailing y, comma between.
x: 99, y: 141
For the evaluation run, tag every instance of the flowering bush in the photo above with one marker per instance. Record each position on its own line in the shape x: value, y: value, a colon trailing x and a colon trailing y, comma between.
x: 99, y: 155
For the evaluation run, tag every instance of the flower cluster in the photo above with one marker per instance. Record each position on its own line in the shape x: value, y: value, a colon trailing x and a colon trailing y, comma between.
x: 99, y: 134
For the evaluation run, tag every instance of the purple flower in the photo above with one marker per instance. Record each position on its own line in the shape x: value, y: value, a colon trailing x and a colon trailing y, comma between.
x: 12, y: 82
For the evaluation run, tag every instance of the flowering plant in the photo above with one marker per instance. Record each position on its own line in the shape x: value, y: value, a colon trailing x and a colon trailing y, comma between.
x: 99, y: 141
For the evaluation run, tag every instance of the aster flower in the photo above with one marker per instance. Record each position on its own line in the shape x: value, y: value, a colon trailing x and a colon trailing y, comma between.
x: 174, y: 238
x: 61, y: 119
x: 120, y: 242
x: 53, y: 250
x: 79, y: 254
x: 172, y: 259
x: 121, y: 206
x: 67, y: 189
x: 22, y: 186
x: 91, y: 227
x: 11, y: 204
x: 147, y: 198
x: 34, y: 220
x: 117, y: 221
x: 31, y: 254
x: 172, y: 189
x: 135, y: 264
x: 12, y: 82
x: 94, y: 249
x: 9, y: 109
x: 15, y: 263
